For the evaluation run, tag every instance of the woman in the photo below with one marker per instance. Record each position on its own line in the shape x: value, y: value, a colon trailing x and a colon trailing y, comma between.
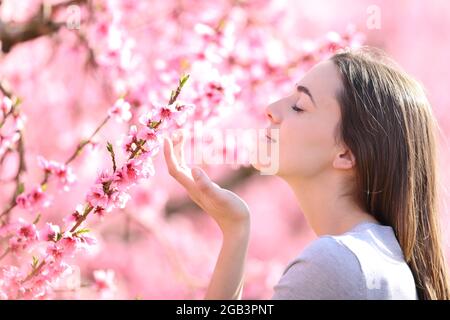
x: 357, y: 147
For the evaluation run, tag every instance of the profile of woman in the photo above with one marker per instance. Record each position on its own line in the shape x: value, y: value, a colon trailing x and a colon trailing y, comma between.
x: 357, y: 145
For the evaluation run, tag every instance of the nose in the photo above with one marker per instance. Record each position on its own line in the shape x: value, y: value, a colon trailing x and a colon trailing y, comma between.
x: 272, y: 115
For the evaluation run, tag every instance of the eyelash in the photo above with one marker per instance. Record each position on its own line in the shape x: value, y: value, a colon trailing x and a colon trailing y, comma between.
x: 296, y: 109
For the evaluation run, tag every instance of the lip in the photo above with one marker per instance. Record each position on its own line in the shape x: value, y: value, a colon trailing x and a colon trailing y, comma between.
x: 268, y: 136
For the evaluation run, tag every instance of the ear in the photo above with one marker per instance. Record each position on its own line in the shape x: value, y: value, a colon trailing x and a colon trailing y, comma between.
x: 344, y: 159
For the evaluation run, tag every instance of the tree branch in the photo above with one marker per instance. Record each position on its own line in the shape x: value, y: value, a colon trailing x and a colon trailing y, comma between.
x: 39, y: 25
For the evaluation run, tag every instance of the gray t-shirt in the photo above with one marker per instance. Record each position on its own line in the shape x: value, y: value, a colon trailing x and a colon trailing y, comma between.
x: 363, y: 263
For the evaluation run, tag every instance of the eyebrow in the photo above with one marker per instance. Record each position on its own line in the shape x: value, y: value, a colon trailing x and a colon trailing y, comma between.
x: 306, y: 91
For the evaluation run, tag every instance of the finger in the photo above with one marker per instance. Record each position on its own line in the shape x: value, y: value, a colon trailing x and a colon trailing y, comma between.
x: 171, y: 161
x: 204, y: 183
x: 174, y: 169
x: 178, y: 141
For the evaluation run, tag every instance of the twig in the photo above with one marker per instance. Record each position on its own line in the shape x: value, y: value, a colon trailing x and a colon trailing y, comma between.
x: 39, y: 25
x: 5, y: 253
x: 84, y: 143
x: 20, y: 170
x: 83, y: 217
x: 45, y: 179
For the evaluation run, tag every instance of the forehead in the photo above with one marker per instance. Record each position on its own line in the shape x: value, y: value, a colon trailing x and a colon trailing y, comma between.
x: 322, y: 80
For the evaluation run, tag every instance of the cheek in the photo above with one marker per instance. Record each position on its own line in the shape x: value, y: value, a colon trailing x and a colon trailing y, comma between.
x: 306, y: 148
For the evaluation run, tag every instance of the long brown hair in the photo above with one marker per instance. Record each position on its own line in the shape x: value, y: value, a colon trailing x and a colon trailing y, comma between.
x: 387, y: 122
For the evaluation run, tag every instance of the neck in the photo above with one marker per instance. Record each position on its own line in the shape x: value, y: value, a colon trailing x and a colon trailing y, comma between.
x: 328, y: 211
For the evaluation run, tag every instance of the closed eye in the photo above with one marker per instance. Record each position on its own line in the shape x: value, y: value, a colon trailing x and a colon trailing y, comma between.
x: 296, y: 109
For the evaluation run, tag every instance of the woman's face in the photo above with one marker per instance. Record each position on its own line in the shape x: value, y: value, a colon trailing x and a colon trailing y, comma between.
x: 306, y: 120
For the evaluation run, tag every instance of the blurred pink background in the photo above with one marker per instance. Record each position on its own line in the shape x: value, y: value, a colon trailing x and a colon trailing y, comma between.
x: 160, y: 246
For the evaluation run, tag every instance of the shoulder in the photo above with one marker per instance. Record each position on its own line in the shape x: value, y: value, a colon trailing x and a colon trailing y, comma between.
x: 326, y: 269
x: 327, y: 254
x: 326, y: 248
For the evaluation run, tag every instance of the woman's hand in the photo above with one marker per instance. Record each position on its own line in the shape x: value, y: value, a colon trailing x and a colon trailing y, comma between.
x: 228, y: 210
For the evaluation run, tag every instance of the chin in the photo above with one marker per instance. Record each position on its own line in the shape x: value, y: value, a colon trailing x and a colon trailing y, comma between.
x: 267, y: 169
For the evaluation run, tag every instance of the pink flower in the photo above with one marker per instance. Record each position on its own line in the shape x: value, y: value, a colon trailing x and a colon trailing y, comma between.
x: 146, y: 133
x: 53, y: 269
x: 10, y: 282
x: 19, y: 121
x: 147, y: 118
x: 50, y: 232
x: 65, y: 176
x: 74, y: 216
x: 36, y: 288
x: 68, y: 244
x: 26, y: 234
x: 7, y: 140
x: 108, y: 192
x: 128, y: 175
x: 183, y: 111
x: 104, y: 282
x: 146, y: 168
x: 63, y: 173
x: 65, y: 247
x: 135, y: 169
x: 121, y: 111
x: 176, y: 112
x: 130, y: 141
x: 120, y: 199
x: 121, y: 181
x: 34, y: 200
x: 6, y: 105
x: 55, y: 252
x: 103, y: 177
x: 97, y: 197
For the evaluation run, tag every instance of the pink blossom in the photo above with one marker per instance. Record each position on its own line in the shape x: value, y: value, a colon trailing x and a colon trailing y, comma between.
x: 183, y: 111
x: 53, y: 269
x: 65, y: 247
x: 120, y: 199
x: 74, y: 216
x: 146, y: 133
x: 146, y: 167
x: 97, y: 197
x: 104, y: 282
x: 62, y: 172
x: 130, y: 141
x: 35, y: 200
x: 68, y: 245
x: 55, y: 252
x: 103, y: 177
x: 122, y: 181
x: 6, y: 105
x: 19, y: 121
x: 7, y: 140
x: 148, y: 117
x: 127, y: 175
x: 120, y: 111
x: 50, y: 232
x: 10, y: 282
x: 36, y: 289
x: 176, y: 112
x: 26, y: 234
x: 108, y: 192
x: 135, y: 169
